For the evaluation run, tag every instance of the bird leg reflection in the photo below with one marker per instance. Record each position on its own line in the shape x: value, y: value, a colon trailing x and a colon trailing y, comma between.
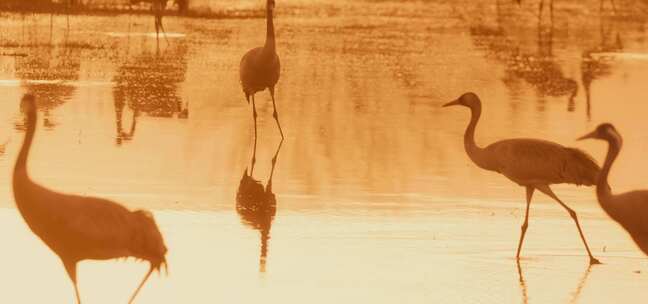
x: 581, y: 284
x: 523, y: 286
x: 576, y: 293
x: 119, y: 111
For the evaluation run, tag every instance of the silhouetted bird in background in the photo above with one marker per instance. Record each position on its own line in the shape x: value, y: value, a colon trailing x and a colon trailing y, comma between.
x: 531, y: 163
x: 541, y: 4
x: 157, y: 7
x: 260, y: 68
x: 80, y: 228
x: 629, y: 209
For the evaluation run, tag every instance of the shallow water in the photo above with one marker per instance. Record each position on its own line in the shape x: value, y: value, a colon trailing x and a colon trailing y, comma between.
x: 376, y: 200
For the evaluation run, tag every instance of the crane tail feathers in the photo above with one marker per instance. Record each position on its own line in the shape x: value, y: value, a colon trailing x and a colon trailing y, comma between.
x: 147, y: 242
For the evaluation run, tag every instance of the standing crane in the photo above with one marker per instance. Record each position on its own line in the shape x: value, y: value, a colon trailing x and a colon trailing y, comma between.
x: 157, y: 7
x: 629, y: 209
x: 81, y: 228
x: 541, y: 5
x: 260, y: 69
x: 531, y: 163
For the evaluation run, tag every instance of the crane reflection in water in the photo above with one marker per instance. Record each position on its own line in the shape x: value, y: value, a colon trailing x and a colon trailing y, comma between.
x: 148, y: 83
x: 595, y: 64
x: 48, y: 72
x: 539, y: 68
x: 256, y: 205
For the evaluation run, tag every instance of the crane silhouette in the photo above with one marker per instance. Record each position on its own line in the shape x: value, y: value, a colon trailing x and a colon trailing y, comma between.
x: 157, y: 7
x: 260, y: 68
x: 79, y: 228
x: 531, y: 163
x: 541, y: 5
x: 629, y: 209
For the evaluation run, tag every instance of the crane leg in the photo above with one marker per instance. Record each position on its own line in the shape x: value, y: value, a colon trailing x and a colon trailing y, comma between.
x: 157, y: 36
x: 540, y: 9
x: 254, y: 115
x: 158, y: 14
x: 551, y: 13
x: 161, y: 26
x: 613, y: 6
x: 274, y: 114
x: 525, y: 225
x: 67, y: 14
x: 148, y: 274
x: 70, y: 267
x: 546, y: 190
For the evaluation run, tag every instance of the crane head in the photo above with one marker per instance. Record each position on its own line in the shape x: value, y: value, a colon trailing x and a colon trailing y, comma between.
x: 604, y: 131
x: 469, y: 99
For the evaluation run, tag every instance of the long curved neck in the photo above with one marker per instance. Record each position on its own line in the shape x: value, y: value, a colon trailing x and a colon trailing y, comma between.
x: 20, y: 170
x: 471, y: 147
x: 602, y: 187
x: 270, y: 34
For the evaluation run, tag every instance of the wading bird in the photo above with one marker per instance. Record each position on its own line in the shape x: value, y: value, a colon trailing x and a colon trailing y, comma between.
x: 531, y: 163
x: 260, y: 68
x: 157, y: 7
x: 541, y: 4
x: 629, y: 209
x: 81, y: 228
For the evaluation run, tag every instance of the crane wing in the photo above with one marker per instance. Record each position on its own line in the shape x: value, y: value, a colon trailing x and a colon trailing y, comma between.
x: 95, y: 227
x: 532, y: 161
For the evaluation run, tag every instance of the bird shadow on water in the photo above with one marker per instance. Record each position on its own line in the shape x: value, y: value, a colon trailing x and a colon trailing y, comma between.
x: 256, y: 205
x: 575, y: 295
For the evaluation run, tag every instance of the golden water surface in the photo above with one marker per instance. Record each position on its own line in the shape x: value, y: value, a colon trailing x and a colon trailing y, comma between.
x: 375, y: 200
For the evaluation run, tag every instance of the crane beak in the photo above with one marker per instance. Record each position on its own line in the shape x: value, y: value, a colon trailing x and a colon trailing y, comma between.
x: 452, y: 103
x: 588, y: 136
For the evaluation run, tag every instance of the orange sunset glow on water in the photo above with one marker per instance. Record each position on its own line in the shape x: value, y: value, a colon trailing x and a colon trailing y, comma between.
x: 345, y: 151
